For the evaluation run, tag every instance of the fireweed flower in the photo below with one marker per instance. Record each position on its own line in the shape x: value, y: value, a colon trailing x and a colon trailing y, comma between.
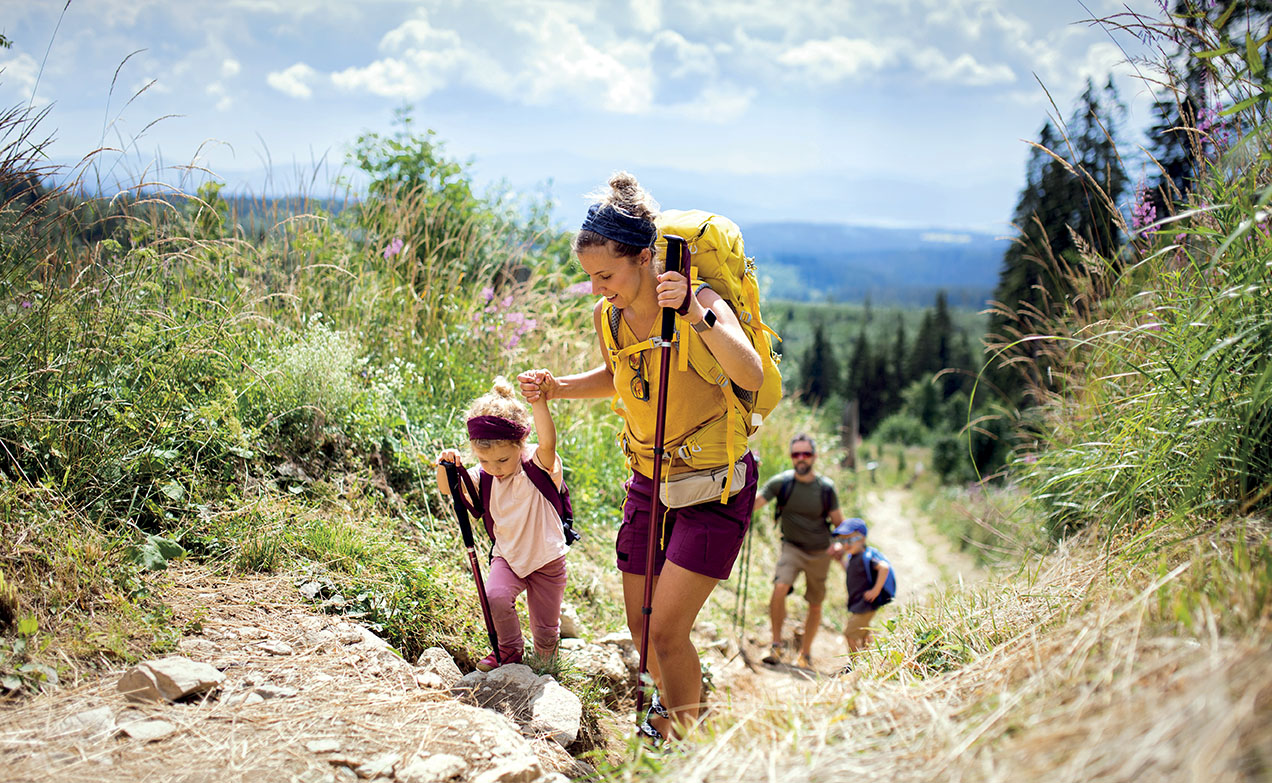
x: 579, y: 289
x: 487, y: 293
x: 393, y: 248
x: 1143, y: 213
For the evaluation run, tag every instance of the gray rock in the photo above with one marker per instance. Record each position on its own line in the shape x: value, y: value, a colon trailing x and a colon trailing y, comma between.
x: 569, y: 622
x: 539, y: 705
x: 310, y: 590
x: 437, y: 661
x: 555, y: 713
x: 431, y: 769
x: 275, y: 647
x: 147, y: 730
x: 171, y: 678
x: 380, y: 766
x: 245, y: 699
x: 323, y: 745
x: 511, y: 772
x: 91, y: 724
x: 572, y: 644
x: 345, y: 775
x: 269, y: 691
x: 603, y: 662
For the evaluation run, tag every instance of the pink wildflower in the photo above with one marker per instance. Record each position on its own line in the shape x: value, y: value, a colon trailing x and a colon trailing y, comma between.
x: 393, y: 248
x: 579, y: 289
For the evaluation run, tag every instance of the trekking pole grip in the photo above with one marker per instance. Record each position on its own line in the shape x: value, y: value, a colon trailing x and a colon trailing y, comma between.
x: 676, y: 252
x: 461, y: 511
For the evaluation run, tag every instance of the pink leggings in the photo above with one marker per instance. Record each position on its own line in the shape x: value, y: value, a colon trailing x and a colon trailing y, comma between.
x: 544, y: 589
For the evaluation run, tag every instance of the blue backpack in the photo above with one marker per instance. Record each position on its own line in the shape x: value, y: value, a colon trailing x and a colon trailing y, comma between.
x: 889, y: 585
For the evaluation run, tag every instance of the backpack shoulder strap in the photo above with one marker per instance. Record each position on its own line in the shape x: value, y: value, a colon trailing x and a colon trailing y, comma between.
x: 559, y: 497
x: 827, y: 492
x: 783, y: 495
x: 543, y: 482
x: 484, y: 482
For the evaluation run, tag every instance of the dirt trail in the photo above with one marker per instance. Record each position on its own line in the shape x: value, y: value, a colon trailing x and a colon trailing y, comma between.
x: 924, y: 559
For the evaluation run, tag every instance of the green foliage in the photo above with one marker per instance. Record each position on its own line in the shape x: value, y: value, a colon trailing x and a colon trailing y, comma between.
x: 1169, y: 383
x: 902, y: 428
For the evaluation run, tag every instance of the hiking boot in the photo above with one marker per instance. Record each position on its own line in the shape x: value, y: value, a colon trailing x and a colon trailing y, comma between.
x: 489, y: 663
x: 804, y: 661
x: 774, y: 656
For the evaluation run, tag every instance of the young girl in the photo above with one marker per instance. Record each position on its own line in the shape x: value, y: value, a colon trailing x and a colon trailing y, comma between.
x: 530, y: 547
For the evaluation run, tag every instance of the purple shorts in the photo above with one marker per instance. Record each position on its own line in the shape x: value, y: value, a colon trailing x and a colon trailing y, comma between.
x: 704, y: 538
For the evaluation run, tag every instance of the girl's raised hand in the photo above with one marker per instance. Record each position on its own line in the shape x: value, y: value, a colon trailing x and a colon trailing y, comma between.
x: 448, y: 455
x: 537, y: 384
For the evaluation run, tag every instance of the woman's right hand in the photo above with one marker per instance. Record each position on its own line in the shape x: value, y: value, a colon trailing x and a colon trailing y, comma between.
x: 448, y: 455
x: 538, y: 384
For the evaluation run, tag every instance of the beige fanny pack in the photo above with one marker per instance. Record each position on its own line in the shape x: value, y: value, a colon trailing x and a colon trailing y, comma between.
x: 699, y: 486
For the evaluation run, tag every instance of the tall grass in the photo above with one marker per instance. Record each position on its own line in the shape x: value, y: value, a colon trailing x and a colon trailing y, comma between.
x: 1164, y: 381
x: 168, y: 373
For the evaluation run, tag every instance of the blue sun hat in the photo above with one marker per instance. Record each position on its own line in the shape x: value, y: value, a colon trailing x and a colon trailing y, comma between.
x: 849, y: 527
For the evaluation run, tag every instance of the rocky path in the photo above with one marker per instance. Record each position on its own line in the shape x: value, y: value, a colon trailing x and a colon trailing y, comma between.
x: 297, y: 696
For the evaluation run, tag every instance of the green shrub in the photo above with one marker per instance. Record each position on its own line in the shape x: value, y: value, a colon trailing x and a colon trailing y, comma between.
x: 901, y: 428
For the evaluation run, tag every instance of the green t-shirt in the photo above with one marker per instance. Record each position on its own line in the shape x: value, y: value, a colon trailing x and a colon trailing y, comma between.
x: 802, y: 522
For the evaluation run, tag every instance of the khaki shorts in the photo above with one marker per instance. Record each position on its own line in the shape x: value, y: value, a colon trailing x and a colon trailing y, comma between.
x: 857, y: 629
x: 814, y: 566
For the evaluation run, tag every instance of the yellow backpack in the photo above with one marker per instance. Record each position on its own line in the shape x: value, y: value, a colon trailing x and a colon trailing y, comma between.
x: 718, y: 260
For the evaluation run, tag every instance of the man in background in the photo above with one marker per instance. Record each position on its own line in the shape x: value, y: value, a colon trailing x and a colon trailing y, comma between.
x: 807, y: 508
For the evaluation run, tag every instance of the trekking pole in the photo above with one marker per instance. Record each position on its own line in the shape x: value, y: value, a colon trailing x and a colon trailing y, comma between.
x: 466, y: 531
x: 740, y: 617
x: 676, y: 250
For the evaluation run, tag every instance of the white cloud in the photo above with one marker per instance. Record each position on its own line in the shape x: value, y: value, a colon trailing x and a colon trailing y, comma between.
x: 230, y: 68
x: 19, y: 74
x: 648, y: 15
x: 839, y: 58
x: 223, y: 99
x: 293, y: 81
x: 963, y: 69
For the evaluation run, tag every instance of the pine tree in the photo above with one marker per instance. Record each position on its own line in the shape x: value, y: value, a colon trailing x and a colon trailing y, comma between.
x: 1176, y: 145
x: 1055, y: 207
x: 819, y: 370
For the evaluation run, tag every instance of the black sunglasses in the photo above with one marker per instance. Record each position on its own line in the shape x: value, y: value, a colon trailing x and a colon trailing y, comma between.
x: 640, y: 386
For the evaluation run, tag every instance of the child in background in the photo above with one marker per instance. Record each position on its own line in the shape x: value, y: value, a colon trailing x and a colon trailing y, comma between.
x: 869, y: 580
x: 530, y: 546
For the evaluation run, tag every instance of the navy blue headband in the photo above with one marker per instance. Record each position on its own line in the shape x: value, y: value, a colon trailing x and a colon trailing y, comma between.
x: 613, y: 223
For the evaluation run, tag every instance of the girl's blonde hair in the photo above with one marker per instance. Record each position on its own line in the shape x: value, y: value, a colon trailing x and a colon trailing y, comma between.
x: 500, y: 401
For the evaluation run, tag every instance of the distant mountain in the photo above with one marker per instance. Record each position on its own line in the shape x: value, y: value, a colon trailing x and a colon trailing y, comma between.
x: 846, y: 263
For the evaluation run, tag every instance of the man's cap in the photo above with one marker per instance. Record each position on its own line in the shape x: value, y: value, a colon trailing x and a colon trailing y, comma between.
x: 850, y: 526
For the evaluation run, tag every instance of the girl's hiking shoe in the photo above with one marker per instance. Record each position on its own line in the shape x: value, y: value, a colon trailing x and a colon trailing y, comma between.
x: 804, y: 661
x: 774, y: 656
x: 489, y: 663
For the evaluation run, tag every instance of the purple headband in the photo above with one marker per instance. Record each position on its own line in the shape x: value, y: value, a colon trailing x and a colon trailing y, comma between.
x: 615, y: 224
x: 495, y: 428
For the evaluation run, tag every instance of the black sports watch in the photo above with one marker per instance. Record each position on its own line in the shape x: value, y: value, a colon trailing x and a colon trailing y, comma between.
x: 708, y: 321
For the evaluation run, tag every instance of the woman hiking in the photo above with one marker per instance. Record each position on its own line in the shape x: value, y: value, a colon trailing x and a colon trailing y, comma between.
x: 699, y: 541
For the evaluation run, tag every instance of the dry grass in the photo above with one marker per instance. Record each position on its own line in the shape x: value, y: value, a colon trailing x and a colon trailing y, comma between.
x: 1089, y: 686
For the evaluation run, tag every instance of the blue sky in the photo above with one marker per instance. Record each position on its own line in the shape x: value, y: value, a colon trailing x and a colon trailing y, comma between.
x: 905, y: 112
